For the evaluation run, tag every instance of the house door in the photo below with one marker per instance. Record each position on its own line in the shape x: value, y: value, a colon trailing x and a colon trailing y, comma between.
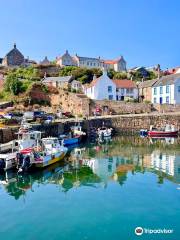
x: 122, y: 98
x: 160, y: 100
x: 117, y: 98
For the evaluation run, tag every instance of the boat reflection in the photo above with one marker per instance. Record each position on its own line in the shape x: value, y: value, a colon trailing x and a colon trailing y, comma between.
x: 97, y: 166
x: 166, y: 140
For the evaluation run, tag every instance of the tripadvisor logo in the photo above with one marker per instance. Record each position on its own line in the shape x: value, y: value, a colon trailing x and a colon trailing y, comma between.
x: 139, y: 231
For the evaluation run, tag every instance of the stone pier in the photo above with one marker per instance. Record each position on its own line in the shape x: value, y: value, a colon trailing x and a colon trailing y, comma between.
x: 123, y: 124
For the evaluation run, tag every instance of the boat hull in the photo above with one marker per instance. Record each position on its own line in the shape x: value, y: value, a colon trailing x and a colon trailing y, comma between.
x: 48, y: 160
x: 162, y: 134
x: 71, y: 141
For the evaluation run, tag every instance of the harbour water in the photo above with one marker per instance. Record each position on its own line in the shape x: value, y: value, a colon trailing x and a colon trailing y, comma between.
x: 101, y: 191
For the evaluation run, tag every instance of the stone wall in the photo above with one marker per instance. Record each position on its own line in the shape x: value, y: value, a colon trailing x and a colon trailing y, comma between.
x: 164, y: 108
x: 50, y: 70
x: 118, y: 107
x: 133, y: 123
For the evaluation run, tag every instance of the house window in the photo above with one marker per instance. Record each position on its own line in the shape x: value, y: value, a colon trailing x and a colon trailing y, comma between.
x: 91, y: 64
x: 122, y: 91
x: 155, y: 101
x: 88, y: 63
x: 178, y: 88
x: 94, y: 64
x: 109, y: 89
x: 110, y: 97
x: 155, y: 91
x: 167, y: 89
x: 167, y: 99
x: 161, y: 90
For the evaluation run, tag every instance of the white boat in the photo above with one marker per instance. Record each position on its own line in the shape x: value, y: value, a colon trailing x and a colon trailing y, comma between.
x: 26, y: 139
x: 104, y: 132
x: 77, y: 130
x: 8, y: 161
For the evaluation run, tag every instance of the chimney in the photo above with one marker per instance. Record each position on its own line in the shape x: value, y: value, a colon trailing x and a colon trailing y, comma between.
x: 158, y: 69
x: 14, y: 45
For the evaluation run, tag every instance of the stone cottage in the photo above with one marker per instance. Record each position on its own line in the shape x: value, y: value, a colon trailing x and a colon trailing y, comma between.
x: 145, y: 90
x: 13, y: 58
x: 58, y: 82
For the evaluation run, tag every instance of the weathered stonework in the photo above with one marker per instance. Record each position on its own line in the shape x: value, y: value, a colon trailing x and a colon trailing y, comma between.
x: 77, y: 104
x: 118, y: 107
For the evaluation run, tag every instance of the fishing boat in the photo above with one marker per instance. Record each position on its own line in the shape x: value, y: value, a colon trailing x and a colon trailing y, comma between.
x: 168, y: 131
x: 26, y: 140
x: 75, y: 136
x: 48, y: 152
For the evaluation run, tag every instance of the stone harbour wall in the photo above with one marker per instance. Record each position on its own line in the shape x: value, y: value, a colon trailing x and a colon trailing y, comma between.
x: 123, y: 124
x: 119, y: 107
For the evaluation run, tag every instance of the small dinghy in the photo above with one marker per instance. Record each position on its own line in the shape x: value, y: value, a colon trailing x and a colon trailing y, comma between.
x: 75, y: 136
x: 168, y: 131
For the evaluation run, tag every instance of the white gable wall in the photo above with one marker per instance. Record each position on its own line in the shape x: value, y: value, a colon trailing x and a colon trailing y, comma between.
x: 104, y: 88
x: 177, y: 91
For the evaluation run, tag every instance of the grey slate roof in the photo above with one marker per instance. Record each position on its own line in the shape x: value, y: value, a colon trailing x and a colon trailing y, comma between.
x: 167, y: 80
x: 58, y: 79
x: 87, y: 58
x: 148, y: 83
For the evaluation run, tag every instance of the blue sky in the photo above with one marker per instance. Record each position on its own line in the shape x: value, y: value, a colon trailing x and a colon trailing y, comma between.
x: 145, y: 32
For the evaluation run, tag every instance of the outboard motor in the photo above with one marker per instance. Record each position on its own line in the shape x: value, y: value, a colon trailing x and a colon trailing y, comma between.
x: 2, y: 164
x: 20, y: 158
x: 143, y: 133
x: 25, y: 164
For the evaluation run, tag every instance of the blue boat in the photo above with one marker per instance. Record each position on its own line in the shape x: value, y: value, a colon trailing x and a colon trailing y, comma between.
x: 69, y: 140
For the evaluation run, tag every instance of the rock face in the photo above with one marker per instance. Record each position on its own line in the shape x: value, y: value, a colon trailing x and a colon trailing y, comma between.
x: 77, y: 104
x: 13, y: 58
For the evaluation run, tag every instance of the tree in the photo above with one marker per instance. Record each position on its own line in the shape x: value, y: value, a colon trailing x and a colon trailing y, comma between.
x: 13, y: 84
x: 67, y: 71
x: 120, y: 75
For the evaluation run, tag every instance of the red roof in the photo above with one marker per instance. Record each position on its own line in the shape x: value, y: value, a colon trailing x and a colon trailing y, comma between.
x: 124, y: 83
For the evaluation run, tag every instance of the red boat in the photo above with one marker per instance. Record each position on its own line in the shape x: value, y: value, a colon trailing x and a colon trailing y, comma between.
x: 154, y: 133
x: 169, y: 131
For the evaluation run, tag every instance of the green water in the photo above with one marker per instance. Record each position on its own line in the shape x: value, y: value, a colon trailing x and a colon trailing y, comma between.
x: 101, y: 192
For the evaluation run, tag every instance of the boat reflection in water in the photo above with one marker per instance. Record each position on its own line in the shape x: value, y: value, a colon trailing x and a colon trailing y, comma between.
x: 166, y: 140
x: 97, y: 166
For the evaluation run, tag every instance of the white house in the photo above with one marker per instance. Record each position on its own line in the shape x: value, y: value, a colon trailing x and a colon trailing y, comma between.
x: 125, y: 89
x: 167, y: 90
x: 104, y: 88
x: 101, y: 88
